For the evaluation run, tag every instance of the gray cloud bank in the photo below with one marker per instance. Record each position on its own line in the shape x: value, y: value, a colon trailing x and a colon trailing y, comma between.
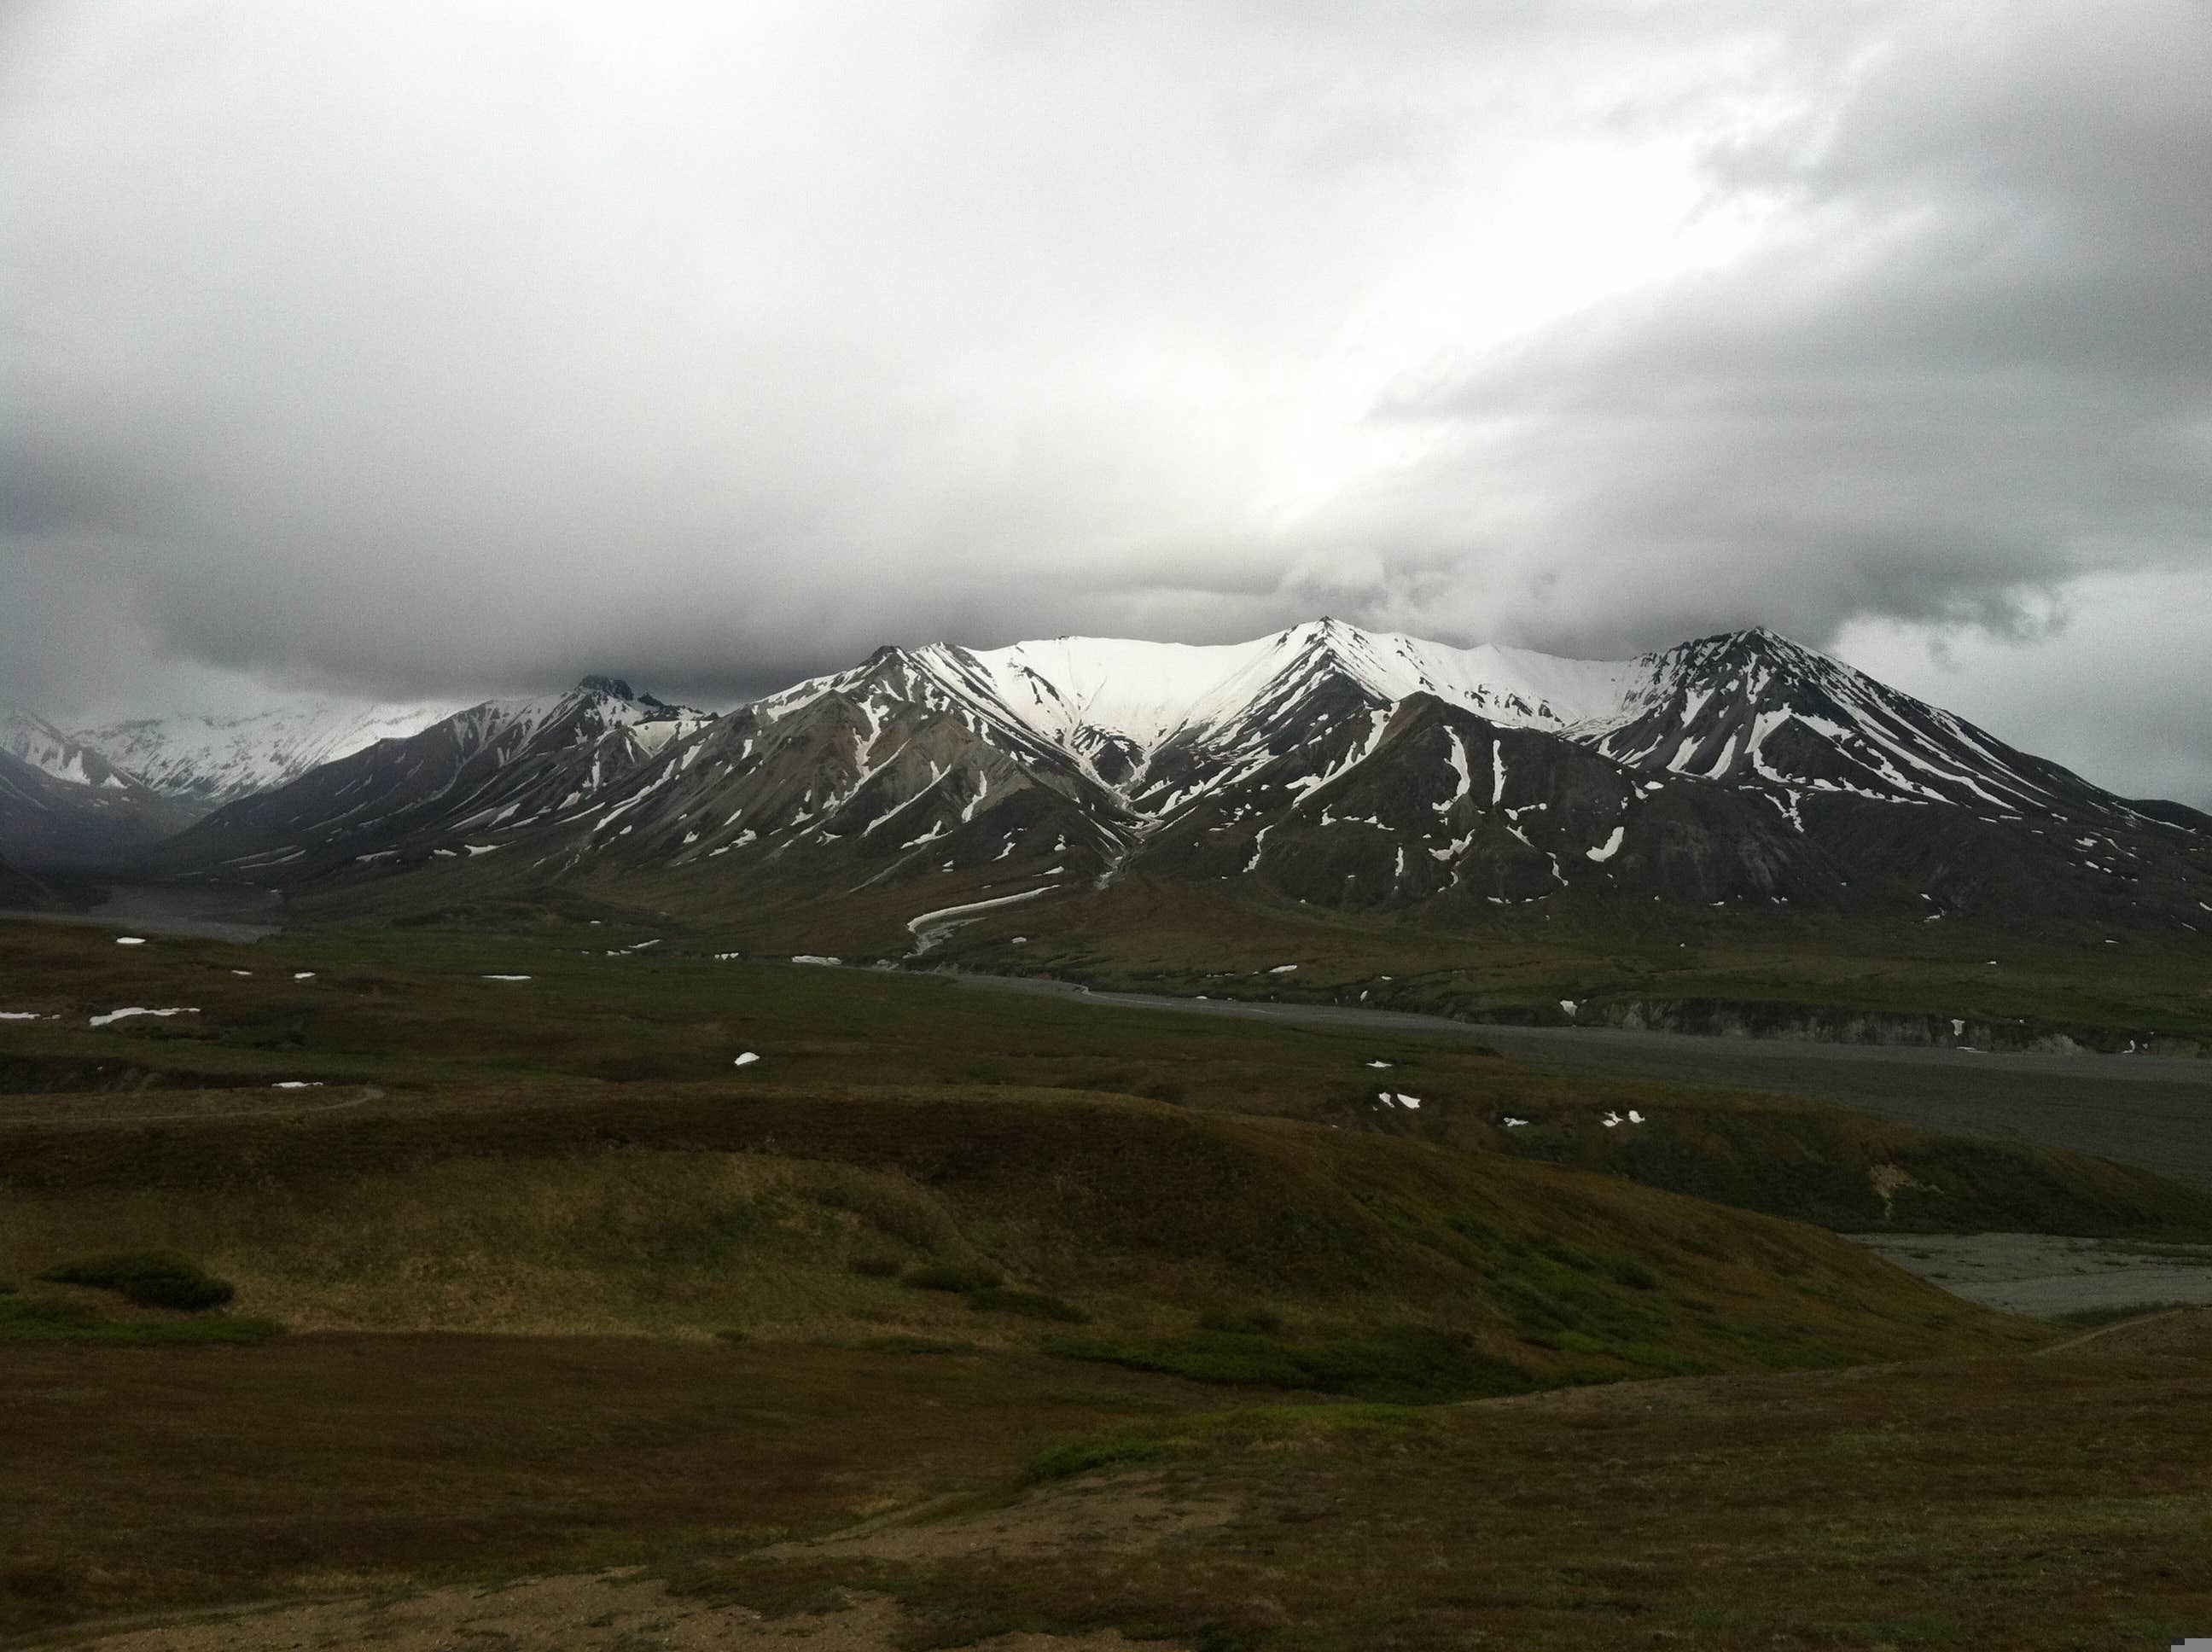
x: 422, y: 351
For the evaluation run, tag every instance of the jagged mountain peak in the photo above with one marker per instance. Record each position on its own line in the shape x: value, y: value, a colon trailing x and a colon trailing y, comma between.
x: 210, y: 759
x: 60, y: 755
x: 1325, y: 762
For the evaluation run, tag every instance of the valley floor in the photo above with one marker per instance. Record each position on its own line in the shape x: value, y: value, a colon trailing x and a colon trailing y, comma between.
x: 2052, y: 1275
x: 2145, y: 1111
x: 586, y: 1287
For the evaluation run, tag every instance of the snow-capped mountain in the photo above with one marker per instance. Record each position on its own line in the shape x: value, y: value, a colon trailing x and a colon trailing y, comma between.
x: 217, y: 760
x: 1322, y: 765
x: 504, y: 764
x: 63, y: 803
x: 38, y: 744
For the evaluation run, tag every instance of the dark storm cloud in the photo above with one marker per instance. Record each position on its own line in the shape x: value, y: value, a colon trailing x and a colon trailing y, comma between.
x: 1974, y: 365
x: 426, y: 349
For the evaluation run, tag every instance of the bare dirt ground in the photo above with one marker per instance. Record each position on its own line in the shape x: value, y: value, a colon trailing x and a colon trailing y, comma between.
x: 2046, y: 1275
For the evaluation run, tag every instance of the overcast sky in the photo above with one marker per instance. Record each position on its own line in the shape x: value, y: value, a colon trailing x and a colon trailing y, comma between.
x: 445, y: 348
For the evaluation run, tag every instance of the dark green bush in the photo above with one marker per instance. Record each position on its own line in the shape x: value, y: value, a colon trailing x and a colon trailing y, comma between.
x: 150, y: 1278
x: 1030, y: 1304
x: 947, y: 1276
x: 1626, y: 1270
x: 875, y: 1267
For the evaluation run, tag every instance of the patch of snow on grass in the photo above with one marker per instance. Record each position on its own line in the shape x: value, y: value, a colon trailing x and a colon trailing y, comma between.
x: 1412, y: 1102
x: 810, y: 957
x: 1512, y: 1123
x: 303, y: 975
x: 114, y: 1016
x: 1283, y: 970
x: 1569, y: 1005
x: 1610, y: 847
x: 131, y: 940
x: 506, y: 978
x: 745, y: 1060
x: 297, y: 1084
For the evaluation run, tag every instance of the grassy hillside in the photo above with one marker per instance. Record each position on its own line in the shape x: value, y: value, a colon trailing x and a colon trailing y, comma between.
x: 564, y: 1285
x: 694, y: 1211
x: 1522, y: 963
x: 2103, y: 985
x: 411, y: 1012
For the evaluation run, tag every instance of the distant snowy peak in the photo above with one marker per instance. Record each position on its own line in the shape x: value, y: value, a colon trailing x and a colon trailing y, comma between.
x: 502, y: 765
x: 597, y: 706
x: 72, y: 759
x: 215, y: 759
x: 1158, y: 723
x: 1088, y: 694
x: 1753, y: 708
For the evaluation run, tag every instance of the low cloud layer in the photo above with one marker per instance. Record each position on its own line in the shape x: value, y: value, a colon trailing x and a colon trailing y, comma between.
x: 440, y: 349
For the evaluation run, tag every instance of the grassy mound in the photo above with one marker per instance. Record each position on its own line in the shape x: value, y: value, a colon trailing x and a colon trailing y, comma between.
x: 148, y: 1278
x: 37, y: 1319
x: 1857, y: 1172
x: 682, y: 1212
x: 1407, y: 1365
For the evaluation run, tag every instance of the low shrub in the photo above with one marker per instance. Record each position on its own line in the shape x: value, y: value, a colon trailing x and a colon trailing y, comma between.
x: 1074, y: 1457
x: 1262, y: 1322
x: 1409, y: 1365
x: 45, y: 1318
x: 1030, y: 1304
x: 875, y: 1267
x: 905, y: 1343
x: 947, y: 1276
x: 149, y: 1278
x: 1626, y: 1270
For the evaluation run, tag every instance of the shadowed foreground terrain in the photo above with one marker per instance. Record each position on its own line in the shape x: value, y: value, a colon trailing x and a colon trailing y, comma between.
x: 2049, y: 1501
x: 508, y: 1268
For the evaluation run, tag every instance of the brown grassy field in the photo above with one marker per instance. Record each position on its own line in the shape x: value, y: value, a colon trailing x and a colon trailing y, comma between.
x: 2060, y: 1502
x: 1140, y: 1323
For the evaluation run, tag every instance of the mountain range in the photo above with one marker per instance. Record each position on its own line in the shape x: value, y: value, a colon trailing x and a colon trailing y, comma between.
x: 928, y: 787
x: 64, y: 802
x: 212, y: 761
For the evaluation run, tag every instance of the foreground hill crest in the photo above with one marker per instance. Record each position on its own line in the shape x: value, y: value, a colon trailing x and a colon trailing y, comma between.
x: 1322, y: 765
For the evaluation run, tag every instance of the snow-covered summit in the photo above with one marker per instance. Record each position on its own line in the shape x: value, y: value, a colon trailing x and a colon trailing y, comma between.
x: 76, y: 762
x: 1154, y: 693
x: 212, y: 760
